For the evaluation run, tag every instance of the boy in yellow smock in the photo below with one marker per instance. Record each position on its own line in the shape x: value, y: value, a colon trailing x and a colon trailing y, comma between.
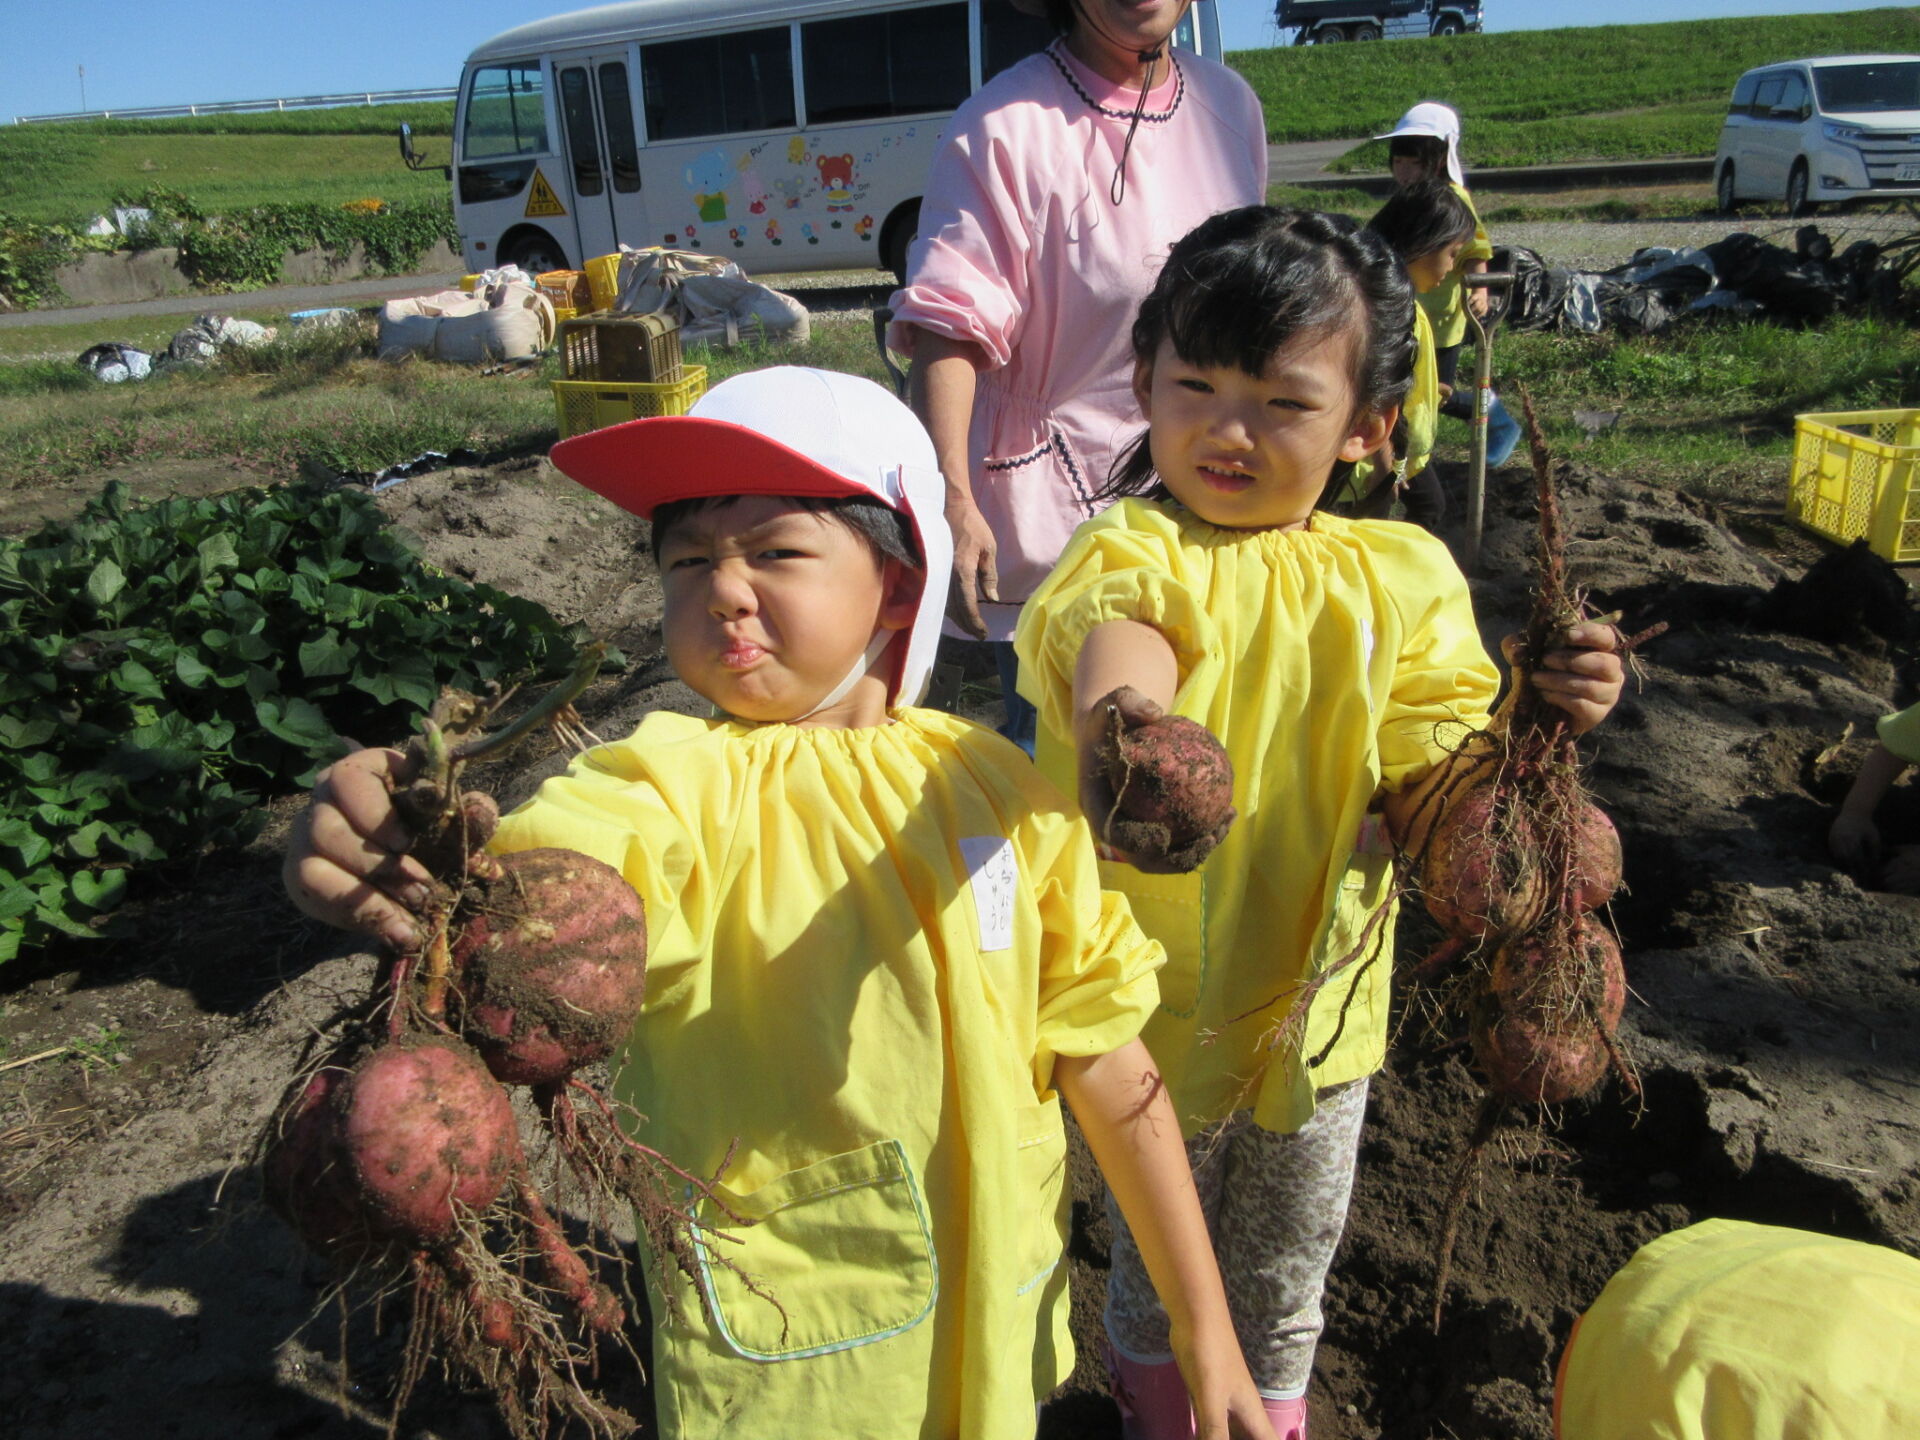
x: 879, y: 947
x: 1854, y: 838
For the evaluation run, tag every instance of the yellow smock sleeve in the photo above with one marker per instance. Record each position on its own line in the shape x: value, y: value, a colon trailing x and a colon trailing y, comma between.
x: 1480, y: 247
x: 1900, y: 733
x: 1124, y: 564
x: 1098, y: 985
x: 1443, y: 684
x: 604, y: 808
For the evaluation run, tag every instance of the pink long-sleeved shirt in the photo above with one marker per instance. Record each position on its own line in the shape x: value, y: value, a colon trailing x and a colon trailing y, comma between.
x: 1023, y: 252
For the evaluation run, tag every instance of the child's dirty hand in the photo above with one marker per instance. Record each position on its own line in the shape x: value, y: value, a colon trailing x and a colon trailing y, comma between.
x: 347, y: 861
x: 1156, y: 788
x: 1583, y: 676
x: 1854, y: 842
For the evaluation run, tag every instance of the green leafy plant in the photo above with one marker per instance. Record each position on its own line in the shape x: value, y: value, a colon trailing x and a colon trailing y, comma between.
x: 103, y: 1046
x: 164, y: 668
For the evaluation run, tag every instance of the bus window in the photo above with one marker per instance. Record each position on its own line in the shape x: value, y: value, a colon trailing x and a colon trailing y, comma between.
x: 583, y: 139
x: 718, y: 85
x: 616, y: 108
x: 1008, y: 35
x: 870, y: 67
x: 506, y: 114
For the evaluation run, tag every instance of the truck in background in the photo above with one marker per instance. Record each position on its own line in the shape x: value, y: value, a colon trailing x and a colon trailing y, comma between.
x: 1333, y: 22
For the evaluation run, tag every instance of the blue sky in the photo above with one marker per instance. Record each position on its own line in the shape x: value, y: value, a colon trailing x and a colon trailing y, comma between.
x: 167, y: 52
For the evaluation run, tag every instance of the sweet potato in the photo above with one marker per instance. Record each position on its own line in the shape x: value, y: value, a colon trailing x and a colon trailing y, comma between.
x: 1172, y: 787
x: 555, y: 957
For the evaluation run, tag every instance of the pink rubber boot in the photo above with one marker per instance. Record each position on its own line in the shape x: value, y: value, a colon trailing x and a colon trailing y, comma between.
x: 1288, y: 1417
x: 1152, y: 1398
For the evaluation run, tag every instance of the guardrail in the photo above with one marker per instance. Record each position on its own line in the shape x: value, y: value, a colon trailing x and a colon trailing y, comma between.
x: 233, y: 107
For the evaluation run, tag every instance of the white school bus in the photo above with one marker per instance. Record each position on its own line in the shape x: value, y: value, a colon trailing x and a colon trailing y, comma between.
x: 785, y: 134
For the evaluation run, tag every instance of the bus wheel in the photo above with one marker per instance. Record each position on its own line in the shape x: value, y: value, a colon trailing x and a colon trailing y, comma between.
x: 896, y: 238
x: 533, y: 250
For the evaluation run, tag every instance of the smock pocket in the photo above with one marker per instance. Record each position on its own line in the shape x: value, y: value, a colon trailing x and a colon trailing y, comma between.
x: 1040, y: 1170
x: 843, y: 1245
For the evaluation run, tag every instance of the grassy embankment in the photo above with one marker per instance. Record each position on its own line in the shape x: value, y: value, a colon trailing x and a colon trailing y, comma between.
x: 1533, y: 97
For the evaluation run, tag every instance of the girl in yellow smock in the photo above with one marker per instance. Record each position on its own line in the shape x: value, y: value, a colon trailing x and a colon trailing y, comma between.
x: 1339, y: 663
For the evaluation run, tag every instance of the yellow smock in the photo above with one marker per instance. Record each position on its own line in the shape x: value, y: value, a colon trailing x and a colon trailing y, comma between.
x: 1444, y: 304
x: 1333, y: 663
x: 1900, y: 733
x: 1731, y: 1331
x: 1421, y: 412
x: 867, y: 947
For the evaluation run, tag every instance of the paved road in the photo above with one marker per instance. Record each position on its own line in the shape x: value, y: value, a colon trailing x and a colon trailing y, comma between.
x: 280, y: 300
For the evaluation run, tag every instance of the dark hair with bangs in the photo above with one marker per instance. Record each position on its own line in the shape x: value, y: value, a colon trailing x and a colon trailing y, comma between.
x: 888, y: 533
x: 1423, y: 218
x: 1242, y: 285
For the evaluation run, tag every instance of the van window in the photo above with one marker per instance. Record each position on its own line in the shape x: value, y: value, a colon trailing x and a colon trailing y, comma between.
x: 1793, y: 98
x: 868, y: 67
x: 1894, y: 85
x: 583, y: 137
x: 1768, y: 95
x: 616, y: 109
x: 718, y: 85
x: 506, y: 112
x: 1008, y: 35
x: 1743, y: 93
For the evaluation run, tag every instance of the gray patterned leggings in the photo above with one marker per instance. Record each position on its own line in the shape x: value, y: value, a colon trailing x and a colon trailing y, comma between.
x: 1275, y: 1205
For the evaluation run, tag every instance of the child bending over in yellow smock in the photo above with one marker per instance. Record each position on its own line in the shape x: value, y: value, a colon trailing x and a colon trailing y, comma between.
x: 1339, y: 664
x: 879, y: 947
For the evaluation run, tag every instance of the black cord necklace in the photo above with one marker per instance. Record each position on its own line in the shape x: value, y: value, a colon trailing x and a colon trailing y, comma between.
x: 1117, y: 189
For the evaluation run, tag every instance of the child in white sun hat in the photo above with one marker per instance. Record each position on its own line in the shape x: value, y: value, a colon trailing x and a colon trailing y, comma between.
x: 879, y: 950
x: 1424, y: 147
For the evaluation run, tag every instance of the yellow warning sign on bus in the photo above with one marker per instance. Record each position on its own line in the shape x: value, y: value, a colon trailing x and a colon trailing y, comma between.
x: 541, y: 201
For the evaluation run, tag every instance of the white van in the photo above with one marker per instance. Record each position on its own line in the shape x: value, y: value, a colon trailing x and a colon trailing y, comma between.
x: 784, y: 134
x: 1812, y: 132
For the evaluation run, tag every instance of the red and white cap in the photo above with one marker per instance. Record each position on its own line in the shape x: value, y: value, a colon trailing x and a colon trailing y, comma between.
x: 787, y: 430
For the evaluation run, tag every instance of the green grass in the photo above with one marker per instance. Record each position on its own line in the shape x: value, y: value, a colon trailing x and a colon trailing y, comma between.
x: 1663, y: 203
x: 69, y: 176
x: 312, y: 395
x: 1641, y: 89
x: 1710, y: 407
x: 431, y: 117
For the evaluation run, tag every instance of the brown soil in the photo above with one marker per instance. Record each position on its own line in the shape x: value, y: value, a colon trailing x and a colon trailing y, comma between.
x: 1775, y: 1024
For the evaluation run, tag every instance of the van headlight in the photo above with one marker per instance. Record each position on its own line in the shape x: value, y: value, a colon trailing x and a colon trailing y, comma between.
x: 1845, y: 134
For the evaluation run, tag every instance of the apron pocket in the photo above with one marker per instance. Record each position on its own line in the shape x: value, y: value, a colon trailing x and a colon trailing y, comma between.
x: 842, y: 1245
x: 1040, y: 1168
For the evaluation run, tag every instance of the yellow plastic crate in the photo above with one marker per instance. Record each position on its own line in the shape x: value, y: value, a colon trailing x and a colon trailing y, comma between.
x: 1856, y: 473
x: 603, y: 280
x: 606, y: 346
x: 585, y: 405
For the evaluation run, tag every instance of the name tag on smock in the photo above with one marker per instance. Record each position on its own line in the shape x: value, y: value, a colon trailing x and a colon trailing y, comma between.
x: 990, y: 863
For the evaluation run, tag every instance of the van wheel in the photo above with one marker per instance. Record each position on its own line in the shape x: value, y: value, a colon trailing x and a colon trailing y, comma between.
x: 1797, y: 202
x: 897, y: 239
x: 1723, y: 197
x: 1448, y: 25
x: 1366, y: 32
x: 534, y: 251
x: 1331, y: 35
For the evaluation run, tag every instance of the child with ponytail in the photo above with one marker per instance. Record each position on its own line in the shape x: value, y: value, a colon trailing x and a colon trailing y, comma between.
x: 1338, y: 663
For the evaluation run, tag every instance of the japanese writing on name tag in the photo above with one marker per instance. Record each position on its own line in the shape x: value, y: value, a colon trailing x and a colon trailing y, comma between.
x: 994, y: 874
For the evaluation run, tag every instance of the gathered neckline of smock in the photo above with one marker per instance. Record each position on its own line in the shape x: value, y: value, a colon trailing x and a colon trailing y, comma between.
x: 902, y: 722
x: 1116, y: 101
